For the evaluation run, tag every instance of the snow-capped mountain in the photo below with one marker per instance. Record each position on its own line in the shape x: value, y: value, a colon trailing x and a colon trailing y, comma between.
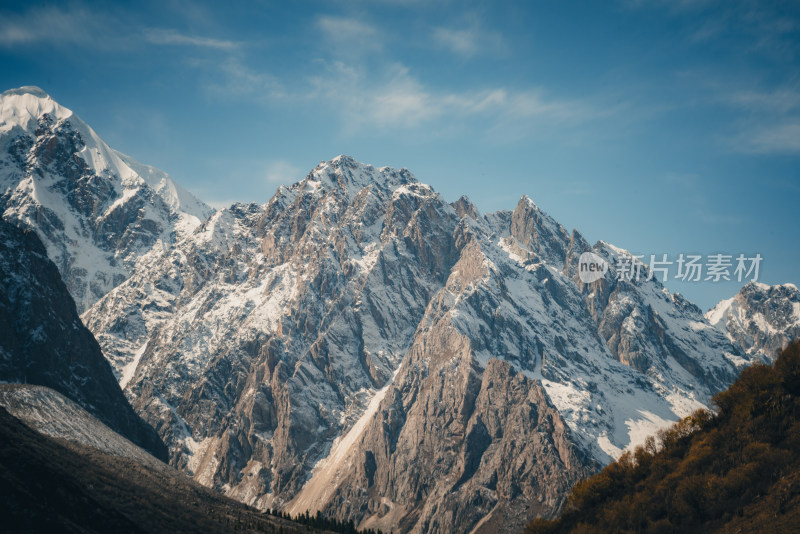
x: 95, y: 209
x: 762, y: 319
x: 358, y: 345
x: 361, y: 346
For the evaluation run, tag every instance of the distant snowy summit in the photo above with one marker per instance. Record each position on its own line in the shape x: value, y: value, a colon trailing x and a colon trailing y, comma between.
x: 96, y: 210
x: 762, y: 319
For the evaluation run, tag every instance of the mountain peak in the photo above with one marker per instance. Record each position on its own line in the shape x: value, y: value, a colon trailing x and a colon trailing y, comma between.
x: 27, y: 90
x: 24, y: 106
x: 89, y: 185
x: 346, y: 173
x: 525, y: 200
x: 761, y: 318
x: 464, y: 206
x: 766, y: 290
x: 345, y: 160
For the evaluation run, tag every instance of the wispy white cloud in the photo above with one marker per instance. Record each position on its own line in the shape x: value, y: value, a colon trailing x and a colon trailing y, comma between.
x: 232, y: 78
x: 778, y: 137
x: 403, y: 3
x: 166, y: 36
x: 74, y: 24
x: 469, y: 39
x: 345, y: 28
x: 56, y: 25
x: 673, y: 5
x: 769, y: 120
x: 778, y: 100
x: 766, y: 28
x: 349, y: 36
x: 397, y: 99
x: 463, y: 42
x: 400, y: 101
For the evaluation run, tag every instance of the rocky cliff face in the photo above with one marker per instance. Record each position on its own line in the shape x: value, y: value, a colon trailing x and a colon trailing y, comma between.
x: 44, y: 342
x: 360, y: 346
x: 313, y: 301
x: 762, y: 319
x: 96, y: 210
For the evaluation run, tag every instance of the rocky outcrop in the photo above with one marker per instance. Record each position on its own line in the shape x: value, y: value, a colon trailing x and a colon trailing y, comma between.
x: 650, y: 329
x: 358, y: 345
x: 455, y: 446
x: 315, y: 298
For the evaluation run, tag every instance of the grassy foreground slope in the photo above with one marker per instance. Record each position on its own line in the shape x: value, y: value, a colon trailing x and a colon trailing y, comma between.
x: 734, y: 471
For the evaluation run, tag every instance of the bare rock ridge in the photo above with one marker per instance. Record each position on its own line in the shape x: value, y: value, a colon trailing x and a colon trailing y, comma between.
x: 44, y: 341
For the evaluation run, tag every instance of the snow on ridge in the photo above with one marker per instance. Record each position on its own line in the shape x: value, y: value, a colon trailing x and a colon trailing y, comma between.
x: 52, y: 414
x: 760, y: 318
x: 123, y: 190
x: 345, y: 172
x: 608, y: 405
x: 720, y: 311
x: 22, y: 107
x: 605, y: 414
x: 32, y: 90
x: 177, y: 198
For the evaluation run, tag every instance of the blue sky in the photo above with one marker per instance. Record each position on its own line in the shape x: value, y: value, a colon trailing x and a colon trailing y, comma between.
x: 659, y: 126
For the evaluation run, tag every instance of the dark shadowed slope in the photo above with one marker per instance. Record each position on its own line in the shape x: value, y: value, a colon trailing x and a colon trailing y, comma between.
x: 43, y: 341
x: 53, y: 485
x: 737, y: 471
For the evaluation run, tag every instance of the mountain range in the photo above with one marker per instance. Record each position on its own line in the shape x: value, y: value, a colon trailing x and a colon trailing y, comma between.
x: 362, y: 347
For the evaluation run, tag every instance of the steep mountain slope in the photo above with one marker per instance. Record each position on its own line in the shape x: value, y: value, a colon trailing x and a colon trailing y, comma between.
x: 55, y: 485
x: 734, y: 471
x: 52, y: 414
x: 95, y: 209
x: 360, y: 344
x: 44, y: 342
x: 475, y: 435
x: 762, y: 319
